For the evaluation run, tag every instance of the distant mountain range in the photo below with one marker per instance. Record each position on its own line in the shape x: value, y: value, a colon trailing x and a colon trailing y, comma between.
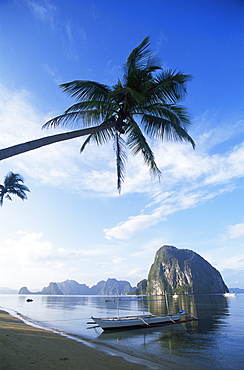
x: 8, y: 291
x: 236, y: 290
x: 13, y: 291
x: 71, y: 287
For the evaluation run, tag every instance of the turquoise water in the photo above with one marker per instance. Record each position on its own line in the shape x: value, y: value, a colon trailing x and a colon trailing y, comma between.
x: 214, y: 341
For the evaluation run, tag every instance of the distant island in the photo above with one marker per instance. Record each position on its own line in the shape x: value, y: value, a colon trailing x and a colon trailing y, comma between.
x: 236, y: 290
x: 4, y: 290
x: 71, y: 287
x: 174, y: 271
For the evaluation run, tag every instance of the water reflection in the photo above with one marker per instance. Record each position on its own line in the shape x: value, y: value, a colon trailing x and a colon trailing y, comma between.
x: 197, y: 340
x: 146, y: 333
x: 215, y: 340
x: 64, y: 302
x: 209, y: 309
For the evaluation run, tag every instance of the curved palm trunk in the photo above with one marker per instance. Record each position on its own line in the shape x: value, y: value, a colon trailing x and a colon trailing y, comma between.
x: 47, y: 140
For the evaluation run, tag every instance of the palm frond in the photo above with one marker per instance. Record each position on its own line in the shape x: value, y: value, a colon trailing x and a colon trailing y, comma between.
x: 101, y: 137
x: 129, y: 95
x: 121, y: 157
x: 177, y: 133
x: 74, y: 120
x: 170, y: 112
x: 140, y: 66
x: 86, y: 90
x: 169, y: 86
x: 96, y: 105
x: 13, y: 184
x: 138, y: 144
x: 20, y: 192
x: 12, y: 178
x: 165, y: 129
x: 139, y: 55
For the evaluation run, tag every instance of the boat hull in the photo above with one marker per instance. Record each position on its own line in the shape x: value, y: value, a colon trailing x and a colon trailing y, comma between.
x: 131, y: 322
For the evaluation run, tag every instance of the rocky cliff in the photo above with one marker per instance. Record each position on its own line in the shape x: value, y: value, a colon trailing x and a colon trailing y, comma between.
x: 71, y: 287
x: 183, y: 271
x: 52, y: 289
x: 112, y: 286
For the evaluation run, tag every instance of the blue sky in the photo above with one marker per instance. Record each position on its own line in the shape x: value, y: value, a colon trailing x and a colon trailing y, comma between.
x: 74, y: 224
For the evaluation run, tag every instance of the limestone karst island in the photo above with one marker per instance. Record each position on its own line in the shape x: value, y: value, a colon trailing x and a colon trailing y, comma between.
x: 174, y: 271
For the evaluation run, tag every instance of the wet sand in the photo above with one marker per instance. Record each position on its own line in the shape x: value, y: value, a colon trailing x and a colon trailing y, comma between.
x: 26, y: 347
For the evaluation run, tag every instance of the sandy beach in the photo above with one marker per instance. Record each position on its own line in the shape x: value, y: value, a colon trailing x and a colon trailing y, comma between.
x: 26, y: 347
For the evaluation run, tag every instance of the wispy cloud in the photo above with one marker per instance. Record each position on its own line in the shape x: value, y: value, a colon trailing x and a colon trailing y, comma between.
x: 44, y: 11
x: 233, y: 232
x: 226, y: 254
x: 236, y: 231
x: 224, y: 259
x: 164, y: 206
x: 189, y: 177
x: 48, y: 14
x: 53, y: 73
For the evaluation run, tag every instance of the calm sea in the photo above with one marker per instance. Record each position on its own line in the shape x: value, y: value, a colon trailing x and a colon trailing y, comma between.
x: 215, y: 341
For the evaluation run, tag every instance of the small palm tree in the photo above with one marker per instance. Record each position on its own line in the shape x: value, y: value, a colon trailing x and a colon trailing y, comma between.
x: 138, y: 107
x: 12, y: 185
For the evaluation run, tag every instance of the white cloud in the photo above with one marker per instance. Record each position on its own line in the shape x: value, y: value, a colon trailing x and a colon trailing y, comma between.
x: 224, y: 168
x: 137, y: 272
x: 188, y: 177
x: 236, y: 231
x: 32, y: 261
x: 118, y: 260
x: 196, y: 176
x: 58, y: 164
x: 30, y: 249
x: 126, y: 229
x: 223, y: 258
x: 232, y: 232
x: 163, y: 205
x: 147, y: 251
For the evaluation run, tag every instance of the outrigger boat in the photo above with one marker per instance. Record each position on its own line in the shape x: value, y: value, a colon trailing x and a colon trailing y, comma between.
x: 131, y: 322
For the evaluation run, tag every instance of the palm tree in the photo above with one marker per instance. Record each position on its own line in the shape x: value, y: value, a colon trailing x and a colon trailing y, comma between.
x: 12, y: 185
x: 140, y: 106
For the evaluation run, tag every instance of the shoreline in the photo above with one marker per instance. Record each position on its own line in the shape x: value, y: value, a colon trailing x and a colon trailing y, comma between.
x: 24, y: 346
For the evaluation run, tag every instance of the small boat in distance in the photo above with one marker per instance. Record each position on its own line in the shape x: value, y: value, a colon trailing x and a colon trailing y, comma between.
x: 132, y: 322
x: 175, y: 296
x: 229, y: 294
